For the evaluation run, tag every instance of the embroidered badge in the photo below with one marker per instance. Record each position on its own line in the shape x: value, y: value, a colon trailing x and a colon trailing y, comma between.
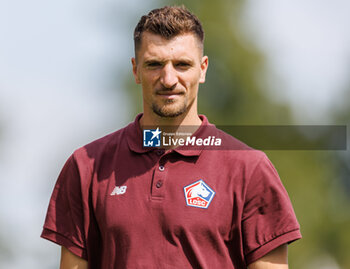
x: 199, y: 194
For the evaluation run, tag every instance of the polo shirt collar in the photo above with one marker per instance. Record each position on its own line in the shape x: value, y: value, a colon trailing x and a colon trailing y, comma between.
x: 202, y: 132
x: 135, y: 138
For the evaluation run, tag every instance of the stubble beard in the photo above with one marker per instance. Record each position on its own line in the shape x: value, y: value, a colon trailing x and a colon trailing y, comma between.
x: 167, y: 111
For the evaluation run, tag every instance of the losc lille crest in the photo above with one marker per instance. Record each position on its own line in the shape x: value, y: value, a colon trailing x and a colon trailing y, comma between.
x: 198, y: 194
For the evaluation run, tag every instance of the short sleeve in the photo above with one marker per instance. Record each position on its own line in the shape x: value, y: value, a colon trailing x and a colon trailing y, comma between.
x: 268, y: 219
x: 64, y: 223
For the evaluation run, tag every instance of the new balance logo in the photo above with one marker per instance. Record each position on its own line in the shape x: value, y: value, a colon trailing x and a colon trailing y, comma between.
x: 119, y: 190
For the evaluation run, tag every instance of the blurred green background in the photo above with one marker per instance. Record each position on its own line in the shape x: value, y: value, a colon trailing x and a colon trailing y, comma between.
x: 81, y: 88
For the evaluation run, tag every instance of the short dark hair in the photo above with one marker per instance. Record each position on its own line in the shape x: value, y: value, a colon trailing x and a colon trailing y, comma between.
x: 168, y: 22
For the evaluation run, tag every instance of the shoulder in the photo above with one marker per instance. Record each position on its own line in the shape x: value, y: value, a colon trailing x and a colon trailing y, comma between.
x: 234, y: 149
x: 96, y: 149
x: 233, y: 157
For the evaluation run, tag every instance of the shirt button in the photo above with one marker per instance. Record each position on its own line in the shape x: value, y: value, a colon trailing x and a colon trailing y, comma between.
x: 159, y: 184
x: 160, y: 152
x: 161, y: 168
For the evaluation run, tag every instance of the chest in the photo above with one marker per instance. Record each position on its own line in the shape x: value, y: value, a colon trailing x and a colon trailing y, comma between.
x: 168, y: 197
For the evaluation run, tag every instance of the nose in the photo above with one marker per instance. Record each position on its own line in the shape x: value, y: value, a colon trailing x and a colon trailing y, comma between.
x: 168, y: 76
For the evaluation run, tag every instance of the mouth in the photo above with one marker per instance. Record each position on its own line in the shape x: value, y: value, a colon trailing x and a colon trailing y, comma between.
x: 169, y: 94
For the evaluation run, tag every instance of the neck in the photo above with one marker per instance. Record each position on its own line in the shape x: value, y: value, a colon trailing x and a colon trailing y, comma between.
x: 181, y: 120
x: 189, y: 118
x: 187, y: 122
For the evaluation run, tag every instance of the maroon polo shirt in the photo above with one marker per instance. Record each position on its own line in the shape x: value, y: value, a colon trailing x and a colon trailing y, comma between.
x: 120, y: 205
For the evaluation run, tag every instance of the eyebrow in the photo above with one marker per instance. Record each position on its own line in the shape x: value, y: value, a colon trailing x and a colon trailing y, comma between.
x: 150, y: 61
x: 185, y: 60
x: 161, y: 61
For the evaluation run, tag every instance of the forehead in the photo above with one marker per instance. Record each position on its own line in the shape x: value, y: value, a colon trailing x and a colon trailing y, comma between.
x: 184, y: 45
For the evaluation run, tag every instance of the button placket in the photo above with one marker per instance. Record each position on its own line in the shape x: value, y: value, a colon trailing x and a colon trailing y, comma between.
x: 159, y: 177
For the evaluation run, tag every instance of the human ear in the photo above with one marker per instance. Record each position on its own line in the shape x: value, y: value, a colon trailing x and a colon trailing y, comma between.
x: 204, y: 67
x: 134, y: 70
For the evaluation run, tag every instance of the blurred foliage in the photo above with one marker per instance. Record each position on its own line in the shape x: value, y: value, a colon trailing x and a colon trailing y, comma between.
x: 235, y: 94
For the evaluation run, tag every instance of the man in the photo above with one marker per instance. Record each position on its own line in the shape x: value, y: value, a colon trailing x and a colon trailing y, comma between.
x: 120, y: 204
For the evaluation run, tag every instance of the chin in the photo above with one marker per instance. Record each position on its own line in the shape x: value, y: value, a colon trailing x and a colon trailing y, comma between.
x: 169, y: 112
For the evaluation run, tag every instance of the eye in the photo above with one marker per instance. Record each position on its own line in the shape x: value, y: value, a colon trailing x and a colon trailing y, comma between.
x: 183, y: 65
x: 153, y: 64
